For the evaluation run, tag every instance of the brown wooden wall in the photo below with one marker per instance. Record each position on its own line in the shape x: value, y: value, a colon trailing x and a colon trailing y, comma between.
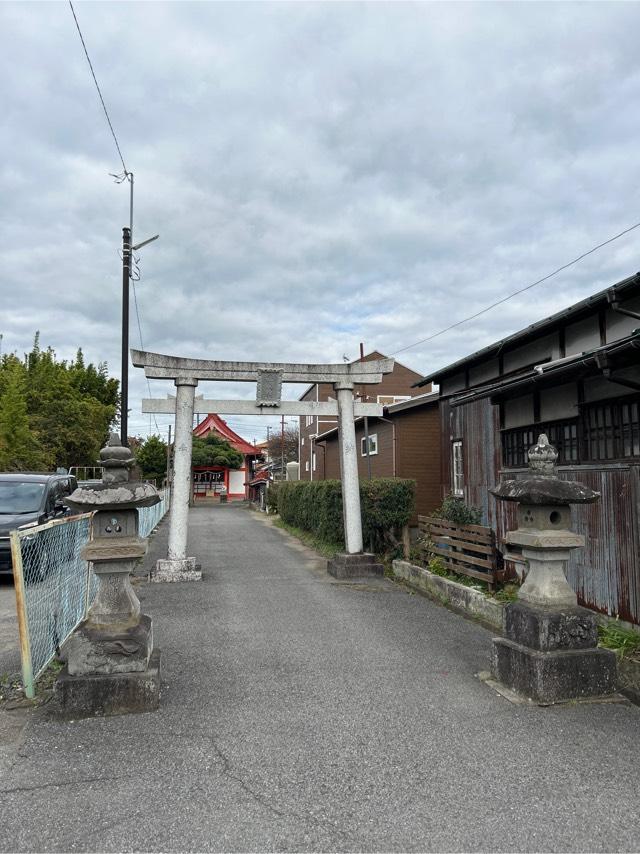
x: 399, y: 382
x: 417, y: 453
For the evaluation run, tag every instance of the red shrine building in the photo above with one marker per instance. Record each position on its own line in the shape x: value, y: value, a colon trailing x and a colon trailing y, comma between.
x: 218, y: 481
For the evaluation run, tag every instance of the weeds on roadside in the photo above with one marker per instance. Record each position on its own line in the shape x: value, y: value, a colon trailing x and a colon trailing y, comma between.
x: 625, y: 642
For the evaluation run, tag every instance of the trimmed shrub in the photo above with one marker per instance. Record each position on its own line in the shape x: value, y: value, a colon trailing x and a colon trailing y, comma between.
x: 272, y: 497
x: 316, y: 506
x: 453, y: 509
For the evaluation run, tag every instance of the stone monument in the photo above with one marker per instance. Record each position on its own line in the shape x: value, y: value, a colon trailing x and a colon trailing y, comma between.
x: 111, y: 666
x: 550, y: 650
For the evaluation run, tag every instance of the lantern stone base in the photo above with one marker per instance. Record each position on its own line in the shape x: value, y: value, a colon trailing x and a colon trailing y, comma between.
x: 169, y: 569
x: 98, y: 694
x: 550, y: 655
x: 91, y: 650
x: 363, y: 565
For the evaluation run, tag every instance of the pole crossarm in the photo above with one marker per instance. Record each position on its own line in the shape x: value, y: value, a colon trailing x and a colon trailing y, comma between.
x: 161, y: 406
x: 159, y: 366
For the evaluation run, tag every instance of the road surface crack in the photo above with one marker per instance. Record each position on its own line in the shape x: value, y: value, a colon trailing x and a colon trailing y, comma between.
x: 227, y: 771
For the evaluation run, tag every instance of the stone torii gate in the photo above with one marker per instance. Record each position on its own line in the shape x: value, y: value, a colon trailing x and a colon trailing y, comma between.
x: 269, y: 376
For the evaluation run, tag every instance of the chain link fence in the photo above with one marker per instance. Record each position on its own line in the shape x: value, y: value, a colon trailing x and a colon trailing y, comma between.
x: 149, y: 517
x: 54, y: 586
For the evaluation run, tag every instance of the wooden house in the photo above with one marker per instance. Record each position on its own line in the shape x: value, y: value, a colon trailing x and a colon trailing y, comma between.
x: 404, y: 443
x: 395, y: 387
x: 576, y: 377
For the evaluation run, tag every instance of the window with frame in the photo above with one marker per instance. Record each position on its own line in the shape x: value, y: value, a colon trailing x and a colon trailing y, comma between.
x: 457, y: 468
x: 314, y: 461
x: 563, y: 435
x: 373, y: 445
x: 607, y: 430
x: 612, y: 430
x: 306, y: 465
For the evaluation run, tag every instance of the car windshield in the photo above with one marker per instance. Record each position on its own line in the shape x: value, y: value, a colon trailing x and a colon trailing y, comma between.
x: 16, y: 497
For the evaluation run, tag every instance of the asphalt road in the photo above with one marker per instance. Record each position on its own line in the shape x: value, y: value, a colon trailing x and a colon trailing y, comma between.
x: 304, y: 714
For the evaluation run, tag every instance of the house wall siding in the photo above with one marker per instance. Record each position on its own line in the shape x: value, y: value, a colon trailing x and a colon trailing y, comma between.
x: 397, y: 383
x: 417, y: 453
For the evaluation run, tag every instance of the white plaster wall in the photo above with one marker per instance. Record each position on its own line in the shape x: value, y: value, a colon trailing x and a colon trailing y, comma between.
x: 581, y: 336
x: 619, y: 325
x: 453, y: 384
x: 599, y: 388
x: 236, y: 482
x: 484, y: 372
x: 519, y: 411
x: 559, y: 402
x: 532, y: 353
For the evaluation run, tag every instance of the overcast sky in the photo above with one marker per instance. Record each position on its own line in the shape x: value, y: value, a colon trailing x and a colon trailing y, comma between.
x: 320, y: 175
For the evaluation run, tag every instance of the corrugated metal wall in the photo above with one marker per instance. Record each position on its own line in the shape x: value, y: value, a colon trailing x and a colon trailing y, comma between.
x: 606, y: 573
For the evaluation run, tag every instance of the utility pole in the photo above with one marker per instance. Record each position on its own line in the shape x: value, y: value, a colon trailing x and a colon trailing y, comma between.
x: 127, y: 252
x: 282, y: 445
x: 169, y: 459
x: 124, y: 378
x: 366, y: 424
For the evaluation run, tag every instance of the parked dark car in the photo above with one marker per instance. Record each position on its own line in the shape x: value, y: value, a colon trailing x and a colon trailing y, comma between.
x: 27, y: 500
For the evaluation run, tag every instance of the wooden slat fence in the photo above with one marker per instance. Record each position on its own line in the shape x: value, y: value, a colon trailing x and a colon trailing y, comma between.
x: 465, y: 549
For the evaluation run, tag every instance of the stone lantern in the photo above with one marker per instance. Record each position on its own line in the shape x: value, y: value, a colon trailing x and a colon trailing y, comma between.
x: 550, y: 650
x: 111, y: 666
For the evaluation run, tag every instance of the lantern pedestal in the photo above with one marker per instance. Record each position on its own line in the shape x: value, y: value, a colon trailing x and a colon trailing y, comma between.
x: 550, y: 654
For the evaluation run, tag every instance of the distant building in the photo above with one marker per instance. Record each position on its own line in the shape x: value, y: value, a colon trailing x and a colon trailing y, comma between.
x: 395, y: 387
x: 216, y: 481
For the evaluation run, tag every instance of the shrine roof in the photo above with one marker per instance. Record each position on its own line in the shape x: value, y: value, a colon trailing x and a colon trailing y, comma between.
x: 213, y: 423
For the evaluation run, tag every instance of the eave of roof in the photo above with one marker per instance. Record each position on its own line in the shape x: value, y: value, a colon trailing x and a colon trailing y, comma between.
x: 418, y: 400
x: 551, y: 373
x: 585, y: 306
x: 392, y: 409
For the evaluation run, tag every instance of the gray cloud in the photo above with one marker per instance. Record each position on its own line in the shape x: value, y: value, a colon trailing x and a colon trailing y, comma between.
x: 320, y: 174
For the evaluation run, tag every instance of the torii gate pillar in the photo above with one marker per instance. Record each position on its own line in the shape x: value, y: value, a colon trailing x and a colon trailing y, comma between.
x: 354, y: 562
x: 177, y: 566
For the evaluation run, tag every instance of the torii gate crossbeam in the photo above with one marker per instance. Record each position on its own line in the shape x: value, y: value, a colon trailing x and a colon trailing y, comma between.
x: 269, y: 376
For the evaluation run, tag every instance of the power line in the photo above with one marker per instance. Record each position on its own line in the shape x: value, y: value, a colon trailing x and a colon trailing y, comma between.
x: 515, y: 293
x: 93, y: 74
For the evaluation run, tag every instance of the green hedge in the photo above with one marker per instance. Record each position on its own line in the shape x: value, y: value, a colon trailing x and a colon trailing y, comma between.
x: 316, y: 506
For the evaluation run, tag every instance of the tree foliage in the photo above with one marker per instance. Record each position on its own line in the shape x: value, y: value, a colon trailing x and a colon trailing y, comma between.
x: 290, y: 441
x: 213, y: 450
x: 53, y: 413
x: 151, y: 456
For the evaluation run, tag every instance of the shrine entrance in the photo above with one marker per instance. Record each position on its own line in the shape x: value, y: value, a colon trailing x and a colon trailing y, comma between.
x: 269, y: 377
